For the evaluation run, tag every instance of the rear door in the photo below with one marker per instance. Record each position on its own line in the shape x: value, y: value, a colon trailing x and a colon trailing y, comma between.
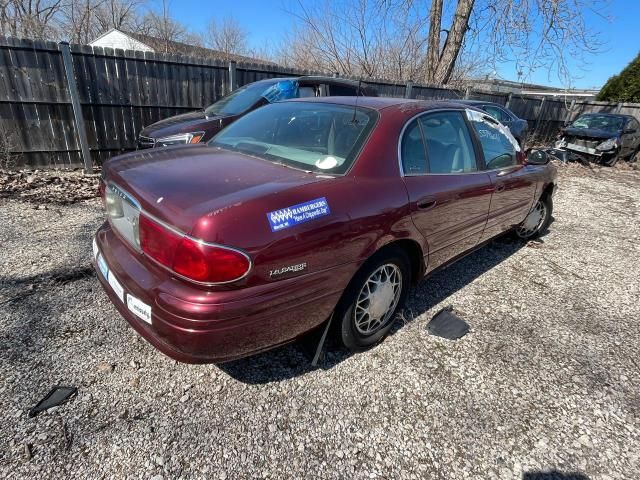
x: 513, y: 184
x: 449, y: 194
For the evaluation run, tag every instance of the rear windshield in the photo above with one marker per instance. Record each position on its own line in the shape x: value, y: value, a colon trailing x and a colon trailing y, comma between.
x: 316, y: 137
x: 599, y: 122
x: 239, y: 100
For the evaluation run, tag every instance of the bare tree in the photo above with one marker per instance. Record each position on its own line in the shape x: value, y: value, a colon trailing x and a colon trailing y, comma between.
x: 77, y: 18
x: 161, y: 25
x: 120, y: 14
x: 226, y: 36
x: 362, y: 38
x: 404, y: 39
x: 30, y: 18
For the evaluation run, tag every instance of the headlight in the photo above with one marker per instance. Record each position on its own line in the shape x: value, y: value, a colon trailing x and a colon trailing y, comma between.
x: 608, y: 144
x: 180, y: 139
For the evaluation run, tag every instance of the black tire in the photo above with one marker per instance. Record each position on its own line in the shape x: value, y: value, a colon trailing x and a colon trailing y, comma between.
x: 610, y: 160
x: 350, y: 334
x: 542, y: 225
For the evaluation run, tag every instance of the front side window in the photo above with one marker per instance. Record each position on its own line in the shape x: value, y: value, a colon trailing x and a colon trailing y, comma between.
x: 315, y: 137
x: 499, y: 149
x: 449, y: 145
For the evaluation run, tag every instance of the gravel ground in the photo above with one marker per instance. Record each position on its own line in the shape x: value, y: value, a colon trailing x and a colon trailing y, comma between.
x: 545, y: 385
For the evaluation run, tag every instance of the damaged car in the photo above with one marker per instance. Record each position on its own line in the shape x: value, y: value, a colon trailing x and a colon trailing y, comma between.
x: 305, y: 214
x: 599, y: 137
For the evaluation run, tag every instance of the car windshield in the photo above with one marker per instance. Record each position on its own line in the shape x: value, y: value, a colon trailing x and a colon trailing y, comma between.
x: 239, y: 100
x: 316, y: 137
x: 608, y: 123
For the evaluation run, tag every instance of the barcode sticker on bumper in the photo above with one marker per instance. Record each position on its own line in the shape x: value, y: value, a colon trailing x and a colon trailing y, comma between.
x: 139, y: 308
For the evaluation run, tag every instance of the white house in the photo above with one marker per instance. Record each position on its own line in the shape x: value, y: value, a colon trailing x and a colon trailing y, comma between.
x: 115, y: 38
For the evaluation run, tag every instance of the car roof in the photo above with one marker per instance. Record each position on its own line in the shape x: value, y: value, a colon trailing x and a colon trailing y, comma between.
x: 315, y: 78
x: 380, y: 103
x: 475, y: 102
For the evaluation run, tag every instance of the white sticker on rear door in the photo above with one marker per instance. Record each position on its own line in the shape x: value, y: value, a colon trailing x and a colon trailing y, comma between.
x: 139, y: 308
x: 115, y: 284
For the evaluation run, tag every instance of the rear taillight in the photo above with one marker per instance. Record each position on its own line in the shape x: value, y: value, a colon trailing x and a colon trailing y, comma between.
x: 190, y: 258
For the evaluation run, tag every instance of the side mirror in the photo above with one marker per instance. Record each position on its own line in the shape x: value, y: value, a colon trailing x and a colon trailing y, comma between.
x: 537, y: 157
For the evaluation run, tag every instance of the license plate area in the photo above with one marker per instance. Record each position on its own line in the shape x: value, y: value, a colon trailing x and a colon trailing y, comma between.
x: 580, y: 148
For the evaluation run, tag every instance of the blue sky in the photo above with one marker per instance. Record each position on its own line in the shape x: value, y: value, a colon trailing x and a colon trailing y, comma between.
x: 267, y: 20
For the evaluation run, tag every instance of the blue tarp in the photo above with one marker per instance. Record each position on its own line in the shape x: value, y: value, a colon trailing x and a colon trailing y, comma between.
x: 281, y: 91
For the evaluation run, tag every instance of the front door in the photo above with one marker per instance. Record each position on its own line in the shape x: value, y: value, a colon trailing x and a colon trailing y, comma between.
x: 448, y: 193
x: 513, y: 186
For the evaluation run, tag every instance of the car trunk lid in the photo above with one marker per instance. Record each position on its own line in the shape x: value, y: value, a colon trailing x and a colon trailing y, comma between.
x: 179, y: 185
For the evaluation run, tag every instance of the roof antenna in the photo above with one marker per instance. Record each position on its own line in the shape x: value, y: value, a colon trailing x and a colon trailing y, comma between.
x: 355, y: 105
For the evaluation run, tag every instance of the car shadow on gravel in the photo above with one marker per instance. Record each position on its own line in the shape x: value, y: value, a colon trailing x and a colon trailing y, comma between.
x: 554, y: 475
x: 295, y: 359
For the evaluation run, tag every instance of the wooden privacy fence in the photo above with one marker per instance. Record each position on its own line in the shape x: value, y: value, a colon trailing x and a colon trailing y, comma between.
x: 58, y: 101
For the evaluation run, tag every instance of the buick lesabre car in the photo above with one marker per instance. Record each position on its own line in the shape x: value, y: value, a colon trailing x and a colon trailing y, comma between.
x: 306, y: 210
x: 202, y: 125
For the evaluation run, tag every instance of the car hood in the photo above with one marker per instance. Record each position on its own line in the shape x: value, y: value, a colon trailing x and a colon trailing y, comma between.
x: 590, y: 133
x: 184, y: 123
x: 183, y: 184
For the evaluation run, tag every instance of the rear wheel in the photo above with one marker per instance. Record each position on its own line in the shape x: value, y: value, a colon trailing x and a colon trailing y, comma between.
x: 373, y: 299
x: 538, y: 219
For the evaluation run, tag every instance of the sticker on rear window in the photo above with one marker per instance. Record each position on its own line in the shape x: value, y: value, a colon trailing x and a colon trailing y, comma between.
x: 300, y: 213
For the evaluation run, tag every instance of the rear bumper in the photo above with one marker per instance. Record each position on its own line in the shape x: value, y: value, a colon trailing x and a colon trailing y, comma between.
x: 193, y: 325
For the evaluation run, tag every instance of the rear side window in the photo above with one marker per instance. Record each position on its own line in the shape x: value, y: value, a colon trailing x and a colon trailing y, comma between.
x: 499, y: 150
x: 342, y: 91
x: 414, y: 156
x: 449, y: 145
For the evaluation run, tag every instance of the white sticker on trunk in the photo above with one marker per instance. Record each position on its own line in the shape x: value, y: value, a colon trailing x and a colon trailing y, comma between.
x: 115, y: 284
x: 139, y: 308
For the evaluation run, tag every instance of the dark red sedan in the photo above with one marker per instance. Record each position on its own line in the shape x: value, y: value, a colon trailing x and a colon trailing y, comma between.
x: 303, y: 209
